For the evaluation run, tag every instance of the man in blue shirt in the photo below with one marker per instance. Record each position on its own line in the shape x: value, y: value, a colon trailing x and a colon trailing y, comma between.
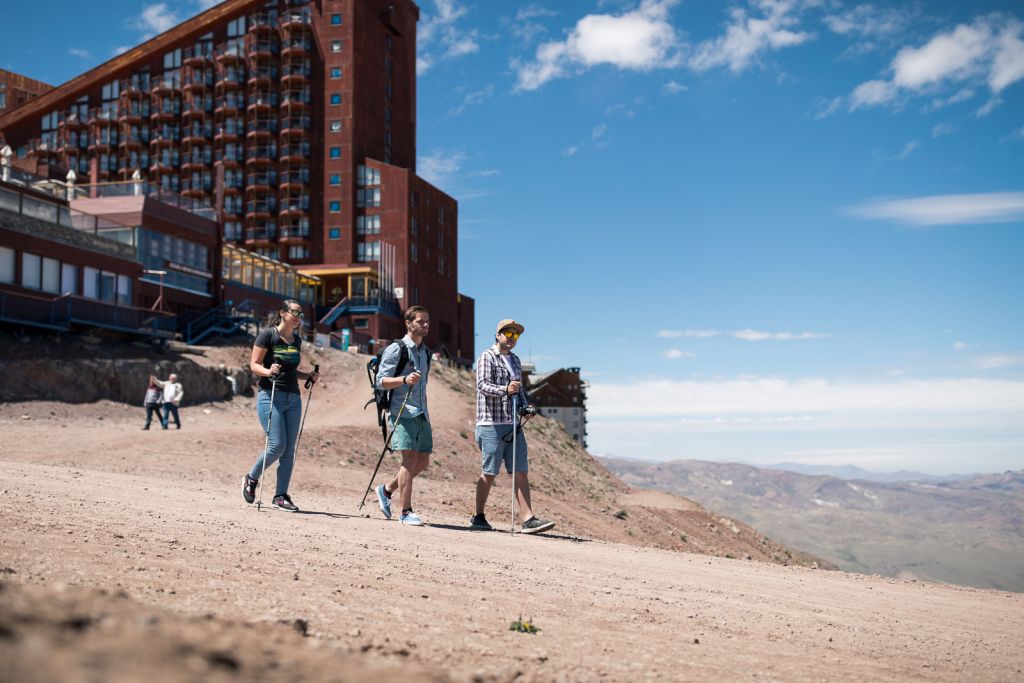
x: 412, y: 434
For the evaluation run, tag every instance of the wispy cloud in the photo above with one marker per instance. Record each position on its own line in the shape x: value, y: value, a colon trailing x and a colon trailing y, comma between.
x: 440, y: 37
x: 962, y: 346
x: 758, y: 335
x: 988, y: 50
x: 525, y: 27
x: 155, y: 19
x: 673, y: 88
x: 638, y: 40
x: 907, y: 150
x: 79, y: 53
x: 472, y: 99
x: 674, y: 354
x: 954, y: 209
x: 997, y: 361
x: 748, y: 35
x: 746, y: 334
x: 757, y: 396
x: 942, y: 129
x: 988, y: 107
x: 699, y: 334
x: 870, y: 22
x: 445, y: 169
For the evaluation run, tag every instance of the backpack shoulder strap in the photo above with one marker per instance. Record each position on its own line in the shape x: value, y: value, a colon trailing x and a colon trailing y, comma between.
x: 403, y: 356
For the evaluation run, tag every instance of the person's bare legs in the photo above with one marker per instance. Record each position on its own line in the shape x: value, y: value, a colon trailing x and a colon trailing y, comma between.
x: 522, y: 484
x: 413, y: 462
x: 483, y: 489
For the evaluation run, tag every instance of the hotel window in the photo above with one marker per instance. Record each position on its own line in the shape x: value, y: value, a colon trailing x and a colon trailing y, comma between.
x: 51, y: 276
x: 3, y: 95
x: 440, y: 215
x: 367, y: 176
x: 335, y: 179
x: 440, y: 264
x: 6, y: 266
x: 335, y: 98
x: 335, y: 152
x: 298, y: 251
x: 361, y: 323
x: 124, y: 290
x: 368, y: 251
x: 335, y: 207
x: 236, y: 27
x: 31, y: 270
x: 413, y: 226
x: 335, y: 20
x: 368, y: 197
x: 334, y: 234
x: 335, y: 72
x: 368, y: 225
x: 414, y: 255
x: 335, y: 46
x: 89, y: 282
x: 335, y: 126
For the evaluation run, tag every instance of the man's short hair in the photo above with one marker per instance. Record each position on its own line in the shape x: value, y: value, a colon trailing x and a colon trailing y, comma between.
x: 410, y: 313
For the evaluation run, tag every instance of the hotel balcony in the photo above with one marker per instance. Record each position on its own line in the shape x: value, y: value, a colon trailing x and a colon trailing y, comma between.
x: 261, y: 47
x: 226, y: 134
x: 294, y: 232
x: 196, y: 134
x: 261, y: 182
x: 229, y: 106
x: 164, y: 86
x: 261, y: 101
x: 260, y: 234
x: 296, y: 20
x: 194, y: 58
x: 260, y: 129
x: 229, y: 54
x: 293, y: 153
x: 296, y: 46
x: 294, y: 178
x: 257, y: 155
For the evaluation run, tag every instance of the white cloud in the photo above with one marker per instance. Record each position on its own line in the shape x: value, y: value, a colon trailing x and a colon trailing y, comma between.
x: 673, y: 354
x: 942, y: 129
x: 599, y: 131
x: 962, y: 346
x: 699, y: 334
x: 988, y: 50
x: 825, y: 108
x: 955, y: 209
x: 868, y: 21
x: 80, y: 53
x: 673, y: 88
x: 960, y: 96
x: 996, y: 361
x: 758, y: 335
x: 439, y: 168
x: 826, y: 400
x: 1017, y: 134
x: 639, y: 40
x: 155, y: 19
x: 747, y: 36
x: 471, y: 99
x: 439, y: 37
x: 907, y: 150
x: 121, y: 49
x: 988, y: 107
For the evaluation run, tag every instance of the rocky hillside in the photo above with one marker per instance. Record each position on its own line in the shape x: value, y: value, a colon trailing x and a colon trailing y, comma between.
x: 969, y: 531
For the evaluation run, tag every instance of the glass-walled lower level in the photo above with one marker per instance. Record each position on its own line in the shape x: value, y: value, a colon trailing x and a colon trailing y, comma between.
x: 267, y: 274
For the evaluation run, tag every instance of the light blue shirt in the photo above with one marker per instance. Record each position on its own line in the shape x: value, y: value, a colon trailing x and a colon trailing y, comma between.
x: 418, y: 360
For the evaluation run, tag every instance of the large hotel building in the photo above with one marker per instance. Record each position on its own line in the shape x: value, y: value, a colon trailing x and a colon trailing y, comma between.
x: 294, y: 121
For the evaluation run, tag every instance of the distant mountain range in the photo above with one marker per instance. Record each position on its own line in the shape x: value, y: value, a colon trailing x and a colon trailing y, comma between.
x: 966, y: 530
x: 852, y: 472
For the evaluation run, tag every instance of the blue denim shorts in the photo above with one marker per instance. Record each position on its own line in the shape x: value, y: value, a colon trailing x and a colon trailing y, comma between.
x: 494, y: 448
x: 413, y: 434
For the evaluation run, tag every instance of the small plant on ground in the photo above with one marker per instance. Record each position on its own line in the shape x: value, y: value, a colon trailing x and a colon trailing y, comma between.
x: 523, y: 626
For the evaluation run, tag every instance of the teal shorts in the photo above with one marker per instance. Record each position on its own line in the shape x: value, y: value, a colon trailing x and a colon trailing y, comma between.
x: 412, y: 434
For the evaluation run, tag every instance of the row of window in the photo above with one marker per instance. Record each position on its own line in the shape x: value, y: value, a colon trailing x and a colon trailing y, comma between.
x: 55, y: 277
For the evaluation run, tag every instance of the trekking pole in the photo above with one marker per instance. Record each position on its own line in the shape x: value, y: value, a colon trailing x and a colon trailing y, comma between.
x: 387, y: 442
x: 515, y: 401
x: 309, y: 398
x: 266, y: 445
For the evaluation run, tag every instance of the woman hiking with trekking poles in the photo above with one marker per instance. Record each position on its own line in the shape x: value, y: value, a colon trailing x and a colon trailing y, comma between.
x: 275, y: 361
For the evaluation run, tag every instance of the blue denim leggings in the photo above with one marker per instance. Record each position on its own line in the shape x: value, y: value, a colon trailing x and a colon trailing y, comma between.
x: 284, y: 430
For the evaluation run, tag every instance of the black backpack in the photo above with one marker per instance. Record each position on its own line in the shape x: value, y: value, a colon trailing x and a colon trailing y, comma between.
x: 382, y: 397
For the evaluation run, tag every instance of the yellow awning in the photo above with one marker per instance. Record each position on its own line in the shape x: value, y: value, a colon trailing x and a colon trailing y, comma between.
x: 357, y: 270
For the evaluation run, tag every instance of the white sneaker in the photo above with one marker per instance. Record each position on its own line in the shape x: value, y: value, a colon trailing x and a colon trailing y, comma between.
x: 410, y: 518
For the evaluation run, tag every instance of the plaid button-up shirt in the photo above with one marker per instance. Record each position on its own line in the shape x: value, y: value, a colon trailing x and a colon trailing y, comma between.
x: 493, y: 402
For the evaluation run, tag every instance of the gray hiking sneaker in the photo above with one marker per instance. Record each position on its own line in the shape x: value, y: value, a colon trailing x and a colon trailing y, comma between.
x: 249, y: 489
x: 384, y: 500
x: 284, y: 502
x: 536, y: 526
x: 480, y: 523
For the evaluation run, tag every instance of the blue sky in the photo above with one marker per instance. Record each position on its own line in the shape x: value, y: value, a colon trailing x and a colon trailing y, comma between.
x: 775, y: 230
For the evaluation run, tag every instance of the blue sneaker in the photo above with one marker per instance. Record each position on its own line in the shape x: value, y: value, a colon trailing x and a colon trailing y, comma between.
x: 410, y: 518
x: 384, y: 501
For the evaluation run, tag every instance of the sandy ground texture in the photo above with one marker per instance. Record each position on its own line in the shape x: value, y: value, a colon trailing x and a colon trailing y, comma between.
x: 128, y: 555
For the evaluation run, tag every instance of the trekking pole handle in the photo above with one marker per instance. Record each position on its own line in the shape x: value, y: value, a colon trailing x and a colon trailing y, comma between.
x: 309, y: 380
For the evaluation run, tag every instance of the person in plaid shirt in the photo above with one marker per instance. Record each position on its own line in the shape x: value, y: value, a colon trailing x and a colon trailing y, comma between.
x: 499, y: 378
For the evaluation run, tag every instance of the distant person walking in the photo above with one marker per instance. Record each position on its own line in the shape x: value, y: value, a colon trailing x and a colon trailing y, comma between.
x: 499, y: 378
x: 173, y: 392
x: 412, y: 433
x: 275, y: 360
x: 152, y: 402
